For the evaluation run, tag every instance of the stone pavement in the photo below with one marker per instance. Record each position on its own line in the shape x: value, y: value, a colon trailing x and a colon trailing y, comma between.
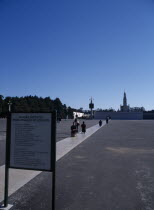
x: 111, y: 169
x: 18, y: 178
x: 63, y: 131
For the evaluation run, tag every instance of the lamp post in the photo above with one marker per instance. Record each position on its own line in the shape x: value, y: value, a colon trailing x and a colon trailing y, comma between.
x: 67, y: 113
x: 9, y: 106
x: 91, y: 106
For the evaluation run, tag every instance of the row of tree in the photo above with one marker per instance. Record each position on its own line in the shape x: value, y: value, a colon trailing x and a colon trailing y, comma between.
x: 34, y: 104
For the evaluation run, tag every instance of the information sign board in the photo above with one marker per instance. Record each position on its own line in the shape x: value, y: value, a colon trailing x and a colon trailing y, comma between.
x: 31, y: 141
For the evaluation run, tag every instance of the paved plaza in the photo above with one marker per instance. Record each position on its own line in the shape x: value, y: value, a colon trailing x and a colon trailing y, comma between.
x: 111, y: 169
x: 63, y: 131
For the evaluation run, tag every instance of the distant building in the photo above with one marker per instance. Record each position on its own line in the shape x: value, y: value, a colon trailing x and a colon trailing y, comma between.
x: 124, y: 107
x: 78, y: 114
x: 125, y: 112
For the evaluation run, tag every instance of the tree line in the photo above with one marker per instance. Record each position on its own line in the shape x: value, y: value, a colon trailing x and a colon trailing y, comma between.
x: 34, y: 104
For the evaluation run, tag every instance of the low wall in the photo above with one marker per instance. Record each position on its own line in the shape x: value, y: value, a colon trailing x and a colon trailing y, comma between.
x: 119, y: 115
x: 148, y: 116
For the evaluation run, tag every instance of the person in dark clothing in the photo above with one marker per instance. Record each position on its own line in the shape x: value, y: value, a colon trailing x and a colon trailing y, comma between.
x: 107, y: 120
x: 73, y: 130
x: 77, y: 125
x: 83, y: 126
x: 100, y: 123
x: 75, y: 121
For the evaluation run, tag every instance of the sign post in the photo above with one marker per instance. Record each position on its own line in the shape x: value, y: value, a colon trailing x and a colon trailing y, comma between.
x: 54, y: 162
x: 31, y: 145
x: 7, y: 158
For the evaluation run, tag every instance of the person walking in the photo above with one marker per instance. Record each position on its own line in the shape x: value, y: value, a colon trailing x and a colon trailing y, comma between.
x: 75, y: 121
x: 107, y: 120
x: 73, y: 130
x: 100, y: 123
x: 77, y: 125
x: 83, y: 126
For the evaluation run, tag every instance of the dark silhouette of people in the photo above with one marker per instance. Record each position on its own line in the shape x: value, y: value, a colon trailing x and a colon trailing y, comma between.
x: 107, y: 120
x: 100, y: 123
x: 73, y: 130
x: 83, y: 126
x: 75, y: 120
x: 77, y: 125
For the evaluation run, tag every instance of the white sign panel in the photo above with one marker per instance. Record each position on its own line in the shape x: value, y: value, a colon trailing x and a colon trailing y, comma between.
x: 30, y: 146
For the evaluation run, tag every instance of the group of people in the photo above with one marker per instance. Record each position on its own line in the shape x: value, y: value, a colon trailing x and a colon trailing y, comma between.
x: 75, y: 127
x: 107, y: 121
x: 76, y: 123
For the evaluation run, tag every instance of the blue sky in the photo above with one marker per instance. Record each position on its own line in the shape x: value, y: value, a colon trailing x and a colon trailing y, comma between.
x: 75, y: 49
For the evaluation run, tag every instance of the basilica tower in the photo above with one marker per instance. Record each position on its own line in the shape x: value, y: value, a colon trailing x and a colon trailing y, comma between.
x: 124, y: 100
x: 124, y: 107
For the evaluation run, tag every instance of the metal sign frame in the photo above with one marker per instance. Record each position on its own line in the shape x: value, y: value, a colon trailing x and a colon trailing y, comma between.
x: 53, y: 155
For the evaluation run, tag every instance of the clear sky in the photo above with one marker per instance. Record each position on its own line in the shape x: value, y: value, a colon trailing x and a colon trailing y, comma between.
x: 75, y: 49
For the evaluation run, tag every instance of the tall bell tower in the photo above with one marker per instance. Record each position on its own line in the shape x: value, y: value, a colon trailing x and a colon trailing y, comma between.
x: 125, y: 100
x: 124, y: 107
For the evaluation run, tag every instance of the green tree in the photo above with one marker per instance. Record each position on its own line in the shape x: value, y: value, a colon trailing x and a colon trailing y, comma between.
x: 1, y: 103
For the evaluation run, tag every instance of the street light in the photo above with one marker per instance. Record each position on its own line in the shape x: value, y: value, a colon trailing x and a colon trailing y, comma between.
x: 91, y: 106
x: 9, y: 106
x: 67, y: 113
